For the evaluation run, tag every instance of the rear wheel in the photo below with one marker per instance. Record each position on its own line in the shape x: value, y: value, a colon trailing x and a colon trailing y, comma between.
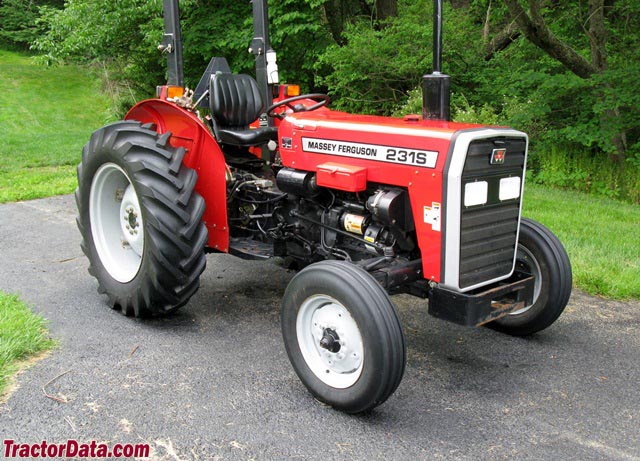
x: 541, y: 254
x: 343, y: 336
x: 140, y: 219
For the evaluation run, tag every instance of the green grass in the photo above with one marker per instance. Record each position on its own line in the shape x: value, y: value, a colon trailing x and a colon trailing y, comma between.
x: 22, y: 335
x: 602, y: 237
x: 46, y: 115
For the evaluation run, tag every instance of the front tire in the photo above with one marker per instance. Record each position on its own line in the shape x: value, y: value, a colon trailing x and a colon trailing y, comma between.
x: 541, y: 254
x: 140, y: 219
x: 343, y: 336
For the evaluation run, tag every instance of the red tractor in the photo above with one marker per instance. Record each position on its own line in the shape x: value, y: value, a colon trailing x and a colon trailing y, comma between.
x: 362, y: 206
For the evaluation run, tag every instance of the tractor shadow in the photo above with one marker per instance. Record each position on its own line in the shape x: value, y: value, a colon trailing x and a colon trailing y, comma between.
x: 231, y: 291
x: 449, y: 361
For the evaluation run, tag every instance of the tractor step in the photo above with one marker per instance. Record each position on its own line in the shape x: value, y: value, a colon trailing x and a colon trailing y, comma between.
x: 248, y: 248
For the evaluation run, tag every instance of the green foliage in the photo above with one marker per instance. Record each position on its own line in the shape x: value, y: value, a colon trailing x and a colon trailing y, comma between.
x: 376, y: 69
x: 214, y: 29
x: 584, y: 171
x: 19, y: 20
x: 123, y: 31
x: 300, y: 37
x: 124, y: 35
x: 22, y: 334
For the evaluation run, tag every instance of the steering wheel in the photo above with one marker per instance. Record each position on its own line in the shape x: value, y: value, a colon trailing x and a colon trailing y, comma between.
x: 322, y: 99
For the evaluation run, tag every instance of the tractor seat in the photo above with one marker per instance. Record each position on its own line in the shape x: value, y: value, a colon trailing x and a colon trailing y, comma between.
x: 235, y: 102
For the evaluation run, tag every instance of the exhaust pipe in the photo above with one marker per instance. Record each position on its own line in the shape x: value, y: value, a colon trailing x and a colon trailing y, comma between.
x: 436, y: 92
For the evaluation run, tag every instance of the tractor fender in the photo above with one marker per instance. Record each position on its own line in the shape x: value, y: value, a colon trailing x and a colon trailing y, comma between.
x: 203, y: 154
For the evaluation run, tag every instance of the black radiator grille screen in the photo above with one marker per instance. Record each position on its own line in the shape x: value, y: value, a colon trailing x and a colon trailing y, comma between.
x: 488, y: 231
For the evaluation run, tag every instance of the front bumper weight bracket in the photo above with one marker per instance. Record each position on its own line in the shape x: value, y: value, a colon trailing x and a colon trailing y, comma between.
x: 479, y: 308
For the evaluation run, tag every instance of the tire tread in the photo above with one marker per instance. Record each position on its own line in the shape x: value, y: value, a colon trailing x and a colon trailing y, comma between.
x: 175, y: 234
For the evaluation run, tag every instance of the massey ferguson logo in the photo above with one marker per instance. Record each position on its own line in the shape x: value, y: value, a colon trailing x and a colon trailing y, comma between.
x: 497, y: 156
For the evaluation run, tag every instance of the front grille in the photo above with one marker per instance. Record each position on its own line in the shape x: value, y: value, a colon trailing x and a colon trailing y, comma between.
x: 488, y: 233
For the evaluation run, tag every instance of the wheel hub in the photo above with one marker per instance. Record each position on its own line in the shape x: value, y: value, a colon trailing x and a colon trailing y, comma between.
x: 330, y: 341
x: 131, y: 223
x: 116, y: 220
x: 131, y: 219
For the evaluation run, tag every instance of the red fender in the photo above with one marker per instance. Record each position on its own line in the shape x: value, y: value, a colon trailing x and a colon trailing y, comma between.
x: 203, y: 155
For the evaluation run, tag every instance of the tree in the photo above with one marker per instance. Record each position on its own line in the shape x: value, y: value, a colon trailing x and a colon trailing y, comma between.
x: 18, y: 20
x: 534, y: 27
x: 386, y: 9
x: 536, y: 30
x: 339, y: 13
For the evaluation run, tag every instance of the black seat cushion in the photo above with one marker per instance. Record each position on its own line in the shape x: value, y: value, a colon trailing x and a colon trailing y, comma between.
x: 235, y: 99
x: 235, y: 102
x: 248, y: 137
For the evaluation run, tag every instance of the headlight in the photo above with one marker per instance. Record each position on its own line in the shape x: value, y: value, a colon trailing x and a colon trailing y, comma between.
x: 510, y: 188
x: 475, y: 193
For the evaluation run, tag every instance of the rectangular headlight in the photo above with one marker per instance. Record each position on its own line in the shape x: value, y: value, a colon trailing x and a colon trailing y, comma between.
x: 475, y: 193
x: 510, y: 188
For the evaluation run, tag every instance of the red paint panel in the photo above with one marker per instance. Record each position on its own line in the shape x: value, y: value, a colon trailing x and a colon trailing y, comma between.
x: 329, y: 129
x: 203, y: 155
x: 342, y: 177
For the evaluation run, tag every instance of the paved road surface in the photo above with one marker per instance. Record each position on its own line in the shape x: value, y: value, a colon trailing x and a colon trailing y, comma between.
x: 214, y: 381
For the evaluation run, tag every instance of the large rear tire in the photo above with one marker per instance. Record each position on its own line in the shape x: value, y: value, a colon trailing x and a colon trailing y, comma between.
x: 541, y: 254
x: 140, y: 219
x: 343, y: 336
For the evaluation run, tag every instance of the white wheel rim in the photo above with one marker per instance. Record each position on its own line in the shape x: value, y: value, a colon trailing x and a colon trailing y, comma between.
x: 116, y: 222
x: 318, y: 315
x: 533, y: 266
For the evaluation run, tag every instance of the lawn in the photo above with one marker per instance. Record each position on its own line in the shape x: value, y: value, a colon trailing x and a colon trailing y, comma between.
x: 602, y: 237
x: 46, y: 115
x: 22, y: 334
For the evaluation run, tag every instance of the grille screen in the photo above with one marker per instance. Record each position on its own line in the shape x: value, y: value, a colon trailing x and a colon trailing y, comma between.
x: 488, y: 232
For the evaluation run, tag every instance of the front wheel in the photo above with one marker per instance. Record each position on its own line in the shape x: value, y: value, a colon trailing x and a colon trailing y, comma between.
x: 541, y: 254
x: 343, y: 336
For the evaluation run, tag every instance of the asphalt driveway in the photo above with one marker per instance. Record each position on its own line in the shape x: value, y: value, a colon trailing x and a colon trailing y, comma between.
x: 214, y: 381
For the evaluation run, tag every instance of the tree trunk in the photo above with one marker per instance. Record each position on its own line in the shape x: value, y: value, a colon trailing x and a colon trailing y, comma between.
x: 502, y: 40
x: 338, y: 13
x: 487, y: 24
x: 537, y: 32
x: 460, y: 3
x: 597, y: 34
x: 598, y: 40
x: 533, y: 27
x: 386, y: 9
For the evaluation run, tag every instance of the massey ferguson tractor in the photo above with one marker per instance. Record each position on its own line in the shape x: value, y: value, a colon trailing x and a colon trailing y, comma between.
x: 363, y: 206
